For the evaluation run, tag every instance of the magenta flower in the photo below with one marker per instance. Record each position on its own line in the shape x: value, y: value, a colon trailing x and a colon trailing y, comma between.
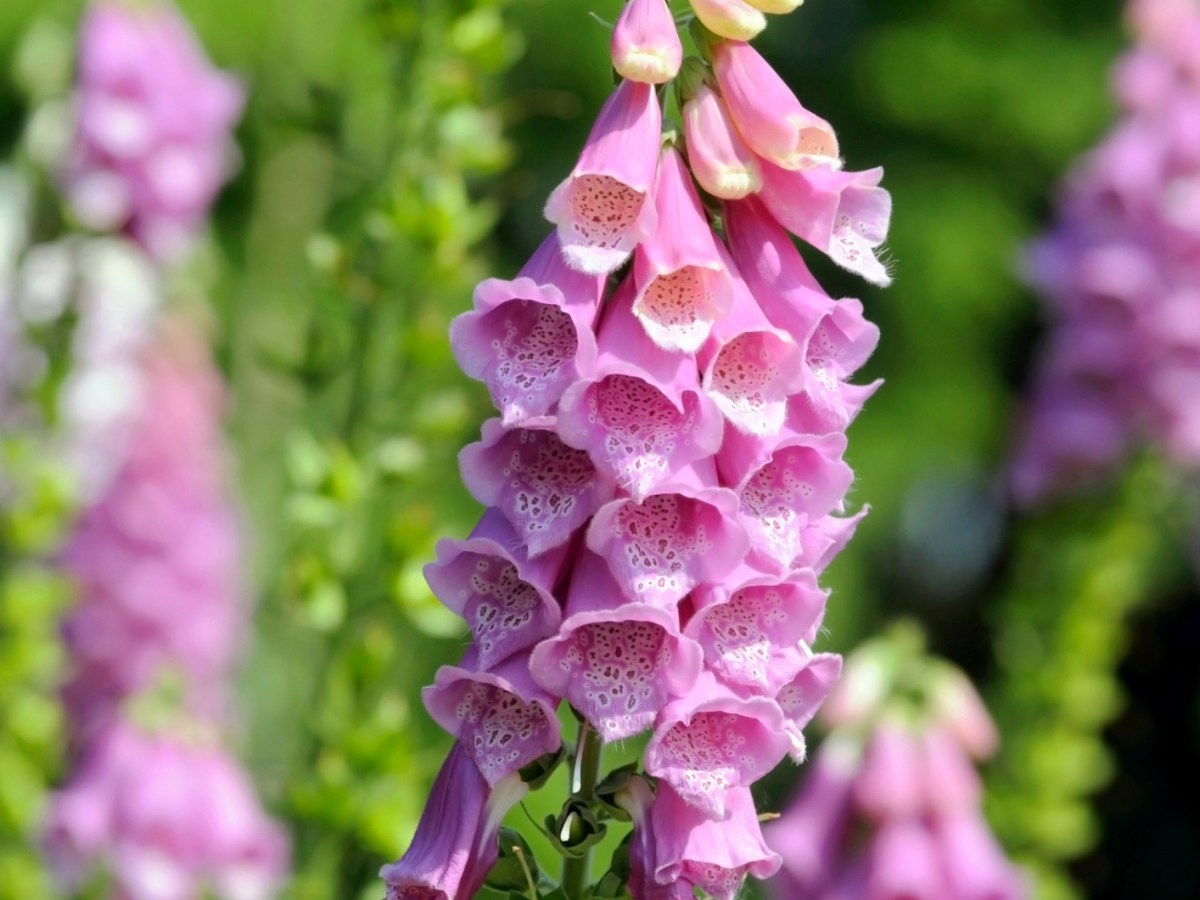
x: 684, y: 534
x: 683, y: 283
x: 712, y: 740
x: 604, y: 208
x: 843, y: 214
x: 151, y: 145
x: 749, y: 367
x: 617, y: 662
x: 715, y: 856
x: 530, y: 338
x: 767, y: 113
x: 502, y: 718
x: 642, y: 416
x: 751, y: 627
x: 722, y: 163
x: 504, y: 596
x: 545, y: 489
x: 456, y: 840
x: 645, y: 45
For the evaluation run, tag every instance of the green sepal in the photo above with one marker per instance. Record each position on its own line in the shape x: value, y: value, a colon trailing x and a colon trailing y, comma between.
x: 693, y: 73
x: 576, y: 829
x: 508, y: 873
x: 538, y: 772
x: 704, y: 39
x: 610, y: 785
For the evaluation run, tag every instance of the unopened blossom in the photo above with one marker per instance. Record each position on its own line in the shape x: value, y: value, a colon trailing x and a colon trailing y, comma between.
x: 645, y: 44
x: 720, y: 160
x: 153, y: 118
x: 1120, y: 365
x: 665, y: 481
x: 890, y: 806
x: 737, y: 20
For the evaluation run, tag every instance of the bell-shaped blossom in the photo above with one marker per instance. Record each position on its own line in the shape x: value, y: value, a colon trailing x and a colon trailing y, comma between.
x: 457, y: 839
x: 845, y: 215
x: 737, y: 20
x: 837, y: 340
x: 683, y: 282
x: 715, y: 856
x: 801, y: 697
x: 153, y: 119
x: 642, y: 416
x: 809, y: 834
x: 502, y: 718
x: 712, y: 740
x: 749, y: 367
x: 718, y: 156
x: 821, y: 541
x: 604, y: 208
x: 506, y: 598
x: 683, y: 534
x: 169, y: 819
x: 618, y: 663
x: 545, y: 489
x: 767, y: 113
x: 645, y: 42
x: 783, y: 484
x: 530, y: 338
x: 751, y: 625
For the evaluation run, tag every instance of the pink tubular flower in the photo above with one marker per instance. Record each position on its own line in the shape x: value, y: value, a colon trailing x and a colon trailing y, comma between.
x: 617, y: 662
x: 903, y: 862
x: 719, y: 158
x: 645, y: 45
x: 642, y: 415
x: 715, y: 856
x: 751, y: 624
x: 750, y: 368
x: 456, y: 840
x: 504, y: 596
x: 712, y: 740
x: 684, y: 534
x: 528, y: 339
x: 545, y: 489
x: 784, y: 484
x: 767, y: 113
x: 801, y: 697
x: 843, y: 214
x: 152, y: 131
x: 837, y: 340
x: 502, y: 718
x: 737, y: 20
x: 604, y: 208
x: 683, y: 283
x: 975, y: 865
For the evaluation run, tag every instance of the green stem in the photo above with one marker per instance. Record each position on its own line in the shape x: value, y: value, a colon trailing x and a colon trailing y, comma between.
x: 585, y: 772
